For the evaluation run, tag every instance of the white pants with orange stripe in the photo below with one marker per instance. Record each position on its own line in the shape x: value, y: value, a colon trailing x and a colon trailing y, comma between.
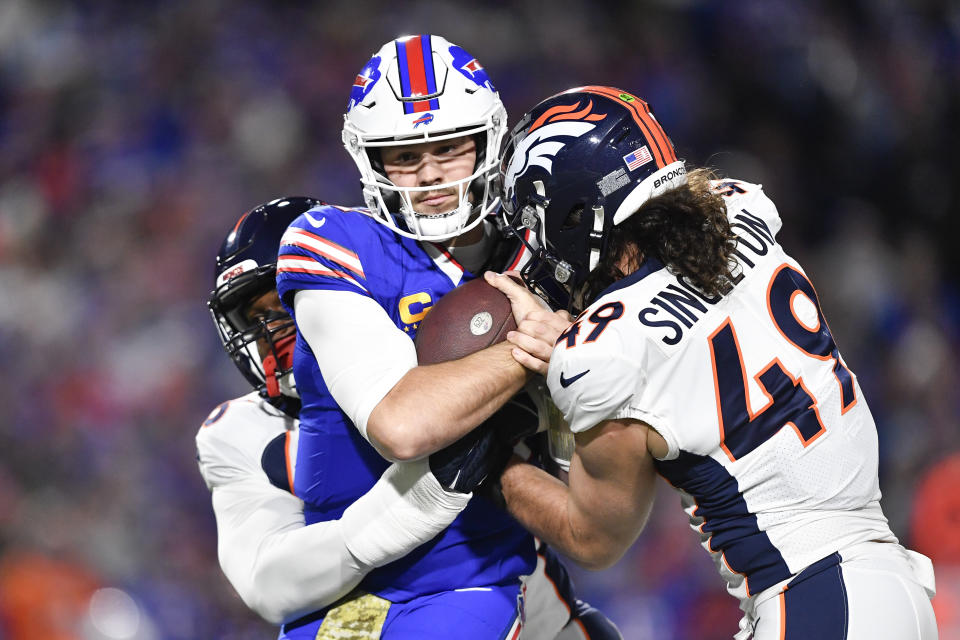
x: 552, y: 610
x: 869, y: 591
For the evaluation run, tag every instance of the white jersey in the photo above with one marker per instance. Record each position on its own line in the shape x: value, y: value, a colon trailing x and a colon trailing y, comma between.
x: 771, y: 443
x: 232, y: 440
x: 246, y: 449
x: 282, y: 568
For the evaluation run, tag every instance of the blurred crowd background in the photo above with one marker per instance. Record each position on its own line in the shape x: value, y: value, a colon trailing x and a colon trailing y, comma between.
x: 134, y: 134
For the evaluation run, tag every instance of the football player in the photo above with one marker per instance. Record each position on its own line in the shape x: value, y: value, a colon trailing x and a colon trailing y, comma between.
x: 424, y: 126
x: 282, y: 569
x: 246, y: 450
x: 702, y: 354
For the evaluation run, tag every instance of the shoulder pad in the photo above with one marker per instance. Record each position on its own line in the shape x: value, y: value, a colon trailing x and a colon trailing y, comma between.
x: 748, y: 199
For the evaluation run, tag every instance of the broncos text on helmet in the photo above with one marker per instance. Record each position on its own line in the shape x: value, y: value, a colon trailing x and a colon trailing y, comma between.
x: 575, y: 165
x: 246, y: 269
x: 419, y: 89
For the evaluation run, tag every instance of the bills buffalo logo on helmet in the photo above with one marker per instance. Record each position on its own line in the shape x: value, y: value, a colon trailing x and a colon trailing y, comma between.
x: 364, y: 82
x: 547, y: 135
x: 470, y: 67
x: 425, y: 119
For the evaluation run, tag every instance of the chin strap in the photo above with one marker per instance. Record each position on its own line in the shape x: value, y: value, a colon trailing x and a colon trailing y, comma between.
x: 280, y: 360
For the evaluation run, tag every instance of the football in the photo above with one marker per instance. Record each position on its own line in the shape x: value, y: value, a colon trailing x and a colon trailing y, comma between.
x: 472, y: 317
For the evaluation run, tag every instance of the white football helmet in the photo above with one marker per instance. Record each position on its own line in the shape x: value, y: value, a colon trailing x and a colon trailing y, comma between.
x: 421, y: 89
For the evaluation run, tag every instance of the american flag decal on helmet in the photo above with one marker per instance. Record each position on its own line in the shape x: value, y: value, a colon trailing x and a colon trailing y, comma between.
x: 638, y: 158
x: 417, y: 74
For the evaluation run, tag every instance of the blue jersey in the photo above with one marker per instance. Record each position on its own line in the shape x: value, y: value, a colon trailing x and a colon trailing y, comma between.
x: 345, y: 249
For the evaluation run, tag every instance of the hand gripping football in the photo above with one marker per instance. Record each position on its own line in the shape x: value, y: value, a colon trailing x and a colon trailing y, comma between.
x: 472, y: 317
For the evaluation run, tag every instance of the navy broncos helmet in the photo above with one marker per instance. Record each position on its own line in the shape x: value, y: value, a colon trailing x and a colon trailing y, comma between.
x: 574, y: 166
x: 246, y: 269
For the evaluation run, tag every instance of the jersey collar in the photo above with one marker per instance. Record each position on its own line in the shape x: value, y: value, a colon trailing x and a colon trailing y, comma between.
x: 648, y: 267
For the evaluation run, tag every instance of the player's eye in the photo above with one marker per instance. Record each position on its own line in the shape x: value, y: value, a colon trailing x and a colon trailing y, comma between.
x: 403, y: 159
x: 254, y: 314
x: 253, y: 320
x: 457, y: 147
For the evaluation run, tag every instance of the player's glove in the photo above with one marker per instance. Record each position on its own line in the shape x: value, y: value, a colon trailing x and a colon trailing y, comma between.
x: 484, y: 452
x: 463, y: 465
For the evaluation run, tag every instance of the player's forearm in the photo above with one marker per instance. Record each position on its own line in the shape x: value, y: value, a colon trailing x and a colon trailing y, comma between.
x: 279, y: 567
x: 369, y: 366
x: 283, y: 569
x: 298, y: 572
x: 541, y: 504
x: 435, y: 405
x: 406, y: 508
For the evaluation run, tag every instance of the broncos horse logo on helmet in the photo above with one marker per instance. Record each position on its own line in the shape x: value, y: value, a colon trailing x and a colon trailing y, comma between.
x: 539, y: 142
x: 575, y: 165
x: 246, y: 269
x: 421, y: 89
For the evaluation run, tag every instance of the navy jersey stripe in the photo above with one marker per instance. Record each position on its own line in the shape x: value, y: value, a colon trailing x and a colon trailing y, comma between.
x: 557, y: 573
x: 815, y: 602
x: 274, y: 462
x: 733, y: 529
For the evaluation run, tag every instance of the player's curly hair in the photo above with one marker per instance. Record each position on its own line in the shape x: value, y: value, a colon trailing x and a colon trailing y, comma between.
x: 685, y: 228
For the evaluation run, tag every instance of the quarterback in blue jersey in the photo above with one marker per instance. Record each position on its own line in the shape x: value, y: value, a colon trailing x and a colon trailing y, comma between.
x: 424, y: 126
x: 246, y: 451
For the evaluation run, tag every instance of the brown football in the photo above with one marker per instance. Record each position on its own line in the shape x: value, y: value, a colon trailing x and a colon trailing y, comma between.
x: 472, y: 317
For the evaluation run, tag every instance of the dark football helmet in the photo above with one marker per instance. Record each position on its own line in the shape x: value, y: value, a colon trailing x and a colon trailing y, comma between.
x: 574, y: 166
x: 246, y: 269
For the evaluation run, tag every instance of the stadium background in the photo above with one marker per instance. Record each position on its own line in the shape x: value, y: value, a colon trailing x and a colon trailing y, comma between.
x: 132, y: 134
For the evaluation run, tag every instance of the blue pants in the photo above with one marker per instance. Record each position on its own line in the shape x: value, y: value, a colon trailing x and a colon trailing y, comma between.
x: 487, y: 613
x: 546, y: 603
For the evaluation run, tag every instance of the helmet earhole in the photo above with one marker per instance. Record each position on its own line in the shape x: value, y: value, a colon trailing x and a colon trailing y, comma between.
x: 573, y: 219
